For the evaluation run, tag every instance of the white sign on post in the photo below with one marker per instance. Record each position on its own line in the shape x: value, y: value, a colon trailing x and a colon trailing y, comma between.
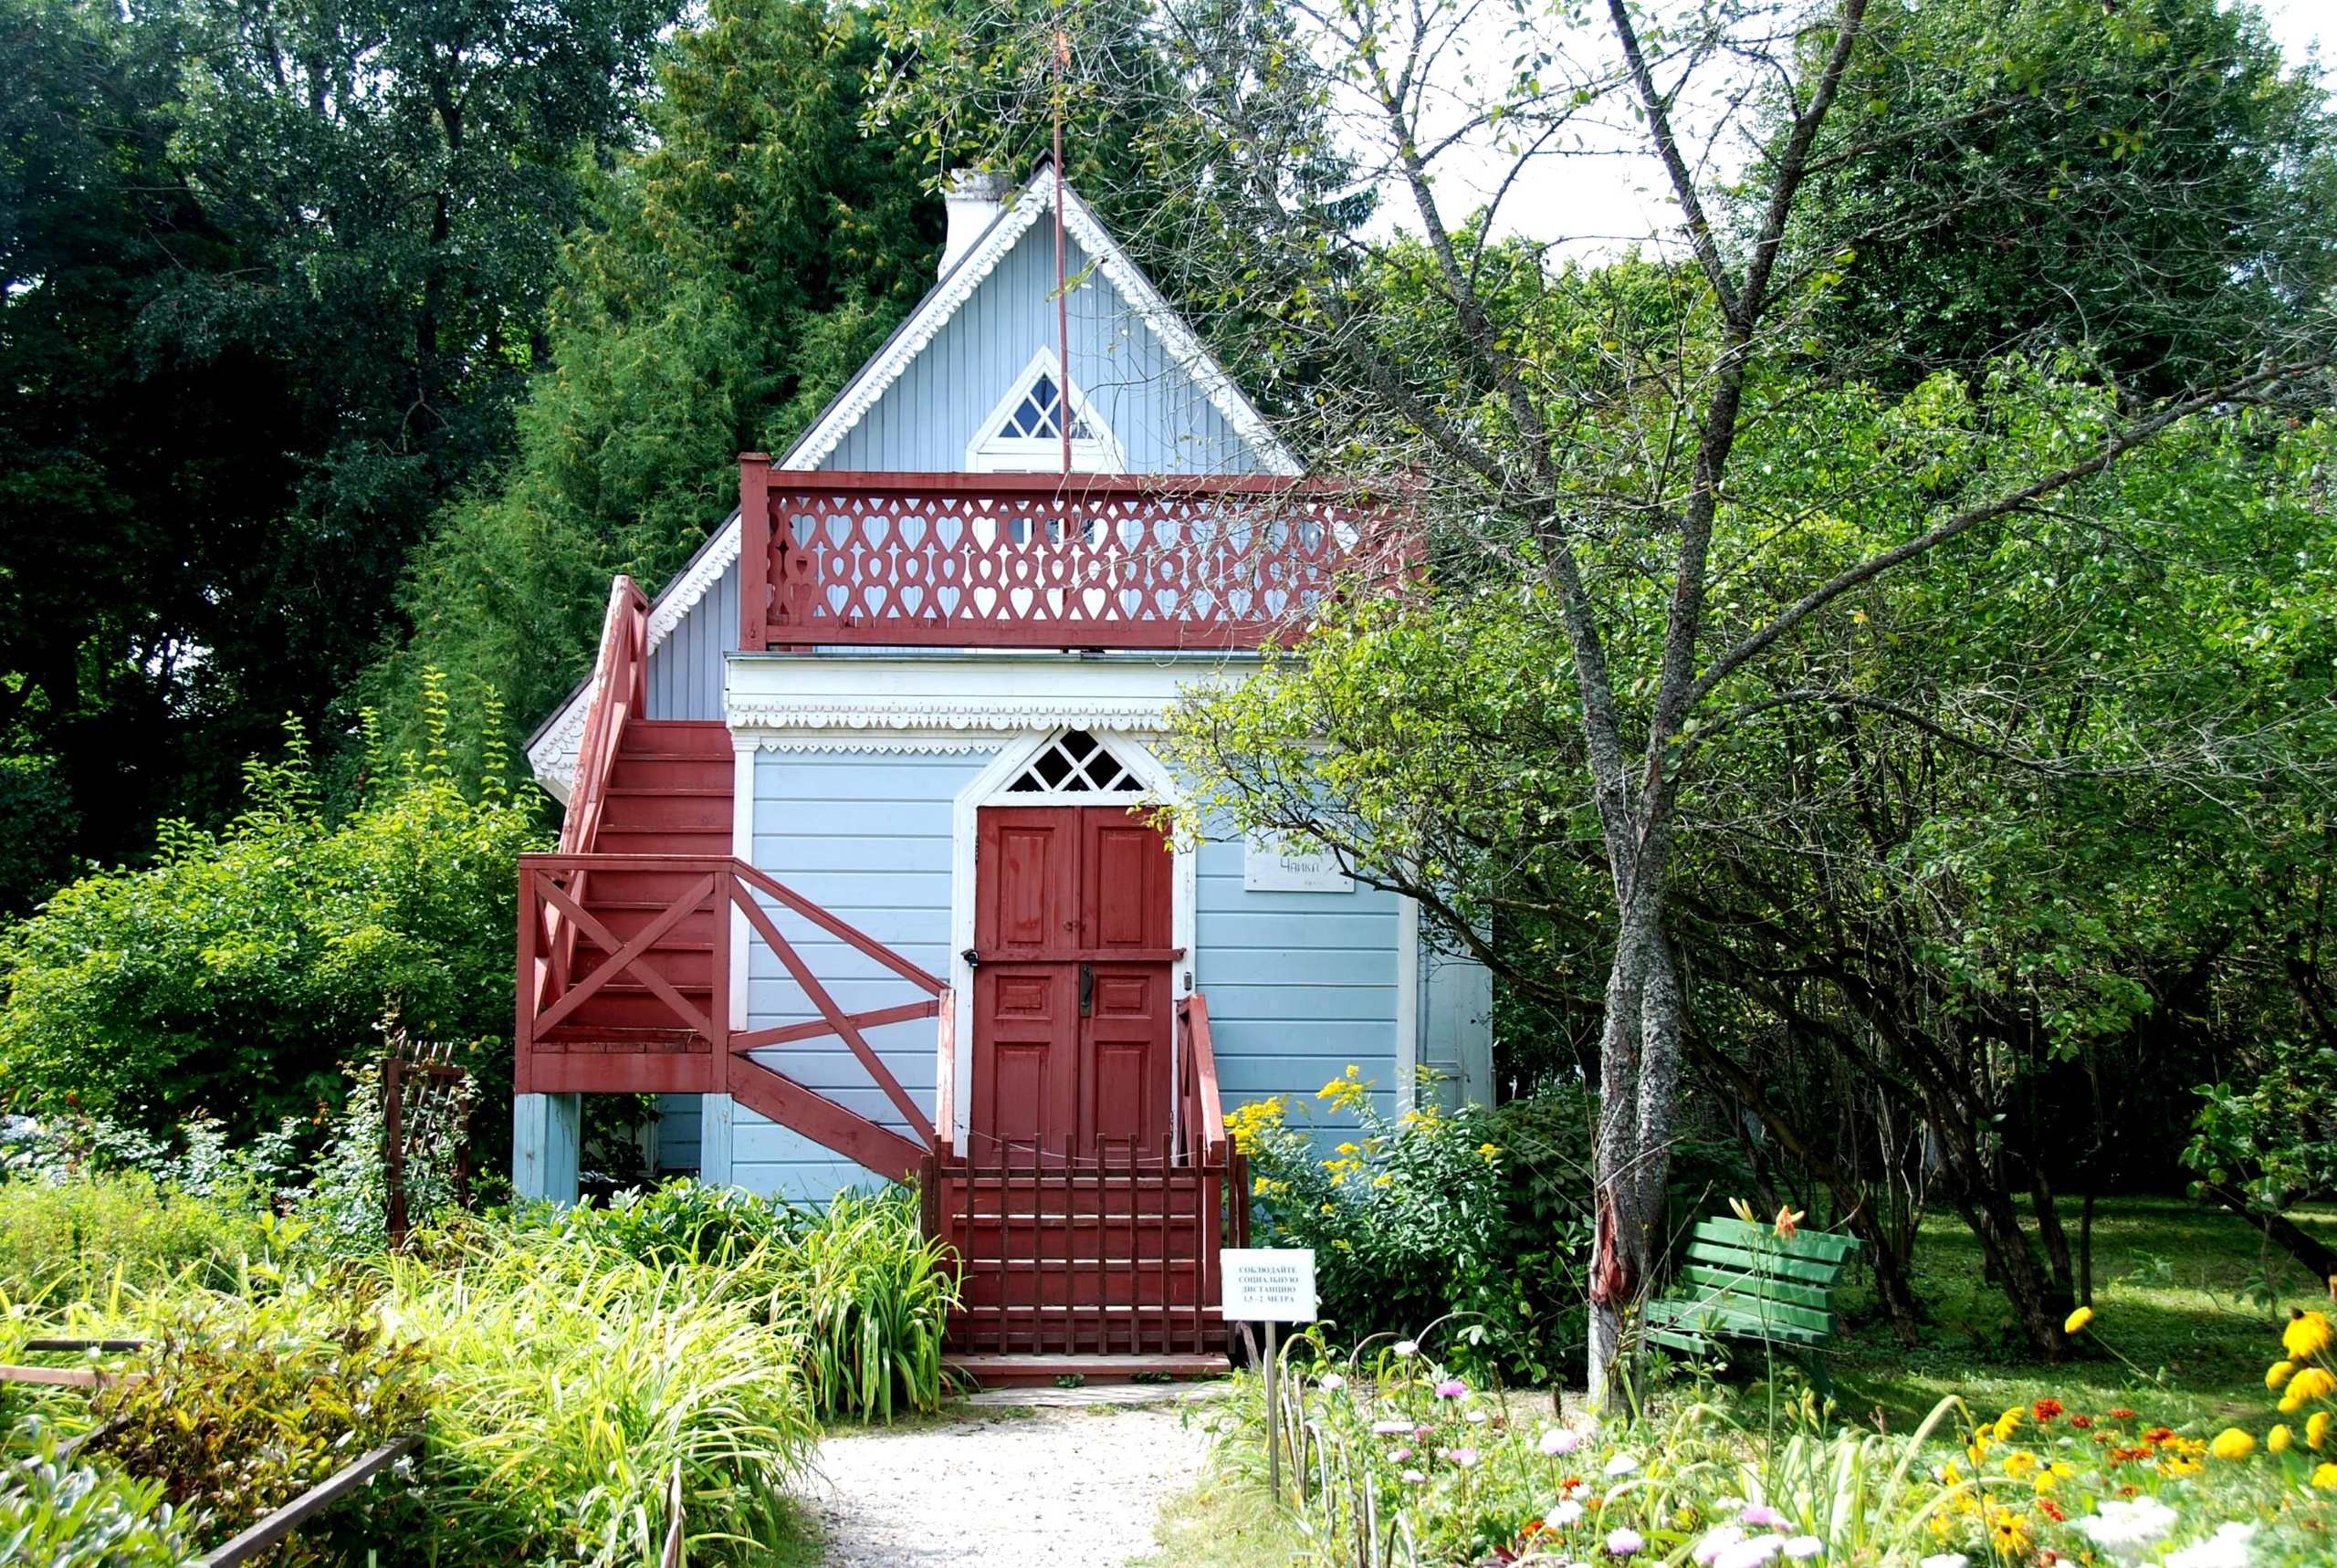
x: 1274, y: 865
x: 1268, y: 1284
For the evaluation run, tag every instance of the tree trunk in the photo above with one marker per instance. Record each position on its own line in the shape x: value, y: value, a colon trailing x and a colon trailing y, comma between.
x: 2300, y: 1244
x: 1639, y: 1074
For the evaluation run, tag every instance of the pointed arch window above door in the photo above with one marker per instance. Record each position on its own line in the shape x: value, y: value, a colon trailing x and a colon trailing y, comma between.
x: 1024, y: 432
x: 1076, y: 763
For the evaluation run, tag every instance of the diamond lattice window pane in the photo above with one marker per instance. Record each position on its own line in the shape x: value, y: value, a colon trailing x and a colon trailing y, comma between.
x: 1076, y: 763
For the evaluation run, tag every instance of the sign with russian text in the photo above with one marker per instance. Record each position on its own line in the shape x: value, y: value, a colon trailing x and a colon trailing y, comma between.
x: 1277, y: 866
x: 1268, y: 1284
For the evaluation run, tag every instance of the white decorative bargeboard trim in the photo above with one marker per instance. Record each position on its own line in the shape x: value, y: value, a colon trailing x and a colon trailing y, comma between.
x: 1035, y: 201
x: 994, y: 717
x: 948, y: 744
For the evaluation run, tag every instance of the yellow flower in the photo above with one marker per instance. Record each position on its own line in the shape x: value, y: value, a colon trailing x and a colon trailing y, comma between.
x: 2311, y: 1383
x: 2075, y: 1322
x: 2020, y: 1463
x: 2277, y: 1373
x: 1490, y: 1151
x: 2316, y: 1429
x: 2183, y: 1467
x: 2308, y: 1334
x: 2008, y: 1531
x: 2007, y: 1423
x: 1743, y: 1210
x: 2326, y: 1476
x: 2232, y: 1443
x: 2279, y: 1439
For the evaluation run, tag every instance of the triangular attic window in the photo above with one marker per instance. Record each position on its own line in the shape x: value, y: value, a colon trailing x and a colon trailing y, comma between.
x: 1023, y: 434
x: 1076, y: 763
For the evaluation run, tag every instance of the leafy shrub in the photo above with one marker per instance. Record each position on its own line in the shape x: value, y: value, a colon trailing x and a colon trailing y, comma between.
x: 1437, y: 1213
x: 236, y: 974
x: 73, y: 1239
x: 572, y: 1382
x: 246, y: 1406
x: 685, y: 1222
x: 61, y: 1515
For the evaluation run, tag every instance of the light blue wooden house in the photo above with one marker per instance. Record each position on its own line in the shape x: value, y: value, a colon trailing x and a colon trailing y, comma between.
x: 857, y: 873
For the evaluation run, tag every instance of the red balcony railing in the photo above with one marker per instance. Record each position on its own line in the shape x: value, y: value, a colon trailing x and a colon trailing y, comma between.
x: 1045, y: 560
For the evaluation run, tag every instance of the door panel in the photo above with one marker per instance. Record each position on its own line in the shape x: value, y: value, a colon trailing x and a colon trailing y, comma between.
x: 1071, y: 1048
x: 1027, y: 880
x: 1124, y: 881
x: 1026, y: 1061
x: 1124, y: 1053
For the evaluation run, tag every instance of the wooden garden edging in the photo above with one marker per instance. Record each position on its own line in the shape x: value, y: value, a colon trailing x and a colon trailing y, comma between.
x: 268, y: 1531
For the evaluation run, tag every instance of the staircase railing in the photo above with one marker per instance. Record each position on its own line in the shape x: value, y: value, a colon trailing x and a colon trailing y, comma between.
x: 620, y: 692
x: 701, y: 1048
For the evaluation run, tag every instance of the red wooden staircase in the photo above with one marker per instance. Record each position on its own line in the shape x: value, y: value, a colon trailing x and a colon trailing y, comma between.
x: 627, y: 943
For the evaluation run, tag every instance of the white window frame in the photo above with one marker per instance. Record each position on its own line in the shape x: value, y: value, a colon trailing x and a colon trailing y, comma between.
x: 990, y: 452
x: 988, y: 788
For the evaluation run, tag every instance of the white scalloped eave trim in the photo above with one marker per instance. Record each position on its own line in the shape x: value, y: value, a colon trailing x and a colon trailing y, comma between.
x: 1035, y: 201
x: 1007, y: 716
x: 875, y: 740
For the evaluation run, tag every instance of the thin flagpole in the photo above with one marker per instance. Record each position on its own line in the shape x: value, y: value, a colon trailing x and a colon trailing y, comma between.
x: 1062, y: 301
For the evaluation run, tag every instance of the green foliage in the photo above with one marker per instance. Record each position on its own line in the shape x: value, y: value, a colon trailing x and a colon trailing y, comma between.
x: 39, y: 827
x: 862, y: 1294
x: 235, y: 977
x: 78, y: 1238
x: 276, y: 276
x: 872, y: 1296
x: 2275, y: 1140
x: 1474, y: 1220
x: 1404, y: 1465
x: 725, y: 279
x: 64, y: 1514
x: 244, y: 1406
x: 2151, y: 179
x: 572, y: 1383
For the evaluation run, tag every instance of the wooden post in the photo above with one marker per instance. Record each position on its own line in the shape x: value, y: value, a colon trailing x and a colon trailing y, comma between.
x: 754, y: 551
x: 393, y: 1146
x: 1274, y: 1418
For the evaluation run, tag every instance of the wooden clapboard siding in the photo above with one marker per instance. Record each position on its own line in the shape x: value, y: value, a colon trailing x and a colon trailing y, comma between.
x: 865, y: 835
x: 1300, y: 985
x: 685, y: 669
x: 924, y: 421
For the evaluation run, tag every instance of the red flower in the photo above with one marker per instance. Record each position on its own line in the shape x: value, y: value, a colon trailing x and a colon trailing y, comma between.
x: 2050, y: 1510
x: 2127, y: 1456
x: 2158, y: 1434
x: 2122, y: 1414
x: 2081, y: 1423
x: 2046, y: 1409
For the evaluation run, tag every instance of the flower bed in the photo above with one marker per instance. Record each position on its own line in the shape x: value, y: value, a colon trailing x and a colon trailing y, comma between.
x: 1404, y: 1463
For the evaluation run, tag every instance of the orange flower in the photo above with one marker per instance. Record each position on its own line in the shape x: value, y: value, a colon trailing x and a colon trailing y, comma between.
x: 1787, y: 1220
x: 2046, y: 1409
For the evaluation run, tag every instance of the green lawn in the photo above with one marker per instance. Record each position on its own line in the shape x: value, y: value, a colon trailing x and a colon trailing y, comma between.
x: 2177, y: 1291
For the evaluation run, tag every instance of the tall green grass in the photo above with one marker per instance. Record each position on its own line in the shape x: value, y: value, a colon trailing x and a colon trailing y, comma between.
x: 82, y: 1236
x: 873, y: 1297
x: 569, y: 1395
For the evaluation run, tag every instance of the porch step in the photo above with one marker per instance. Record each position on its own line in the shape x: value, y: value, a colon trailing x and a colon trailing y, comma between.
x: 997, y: 1370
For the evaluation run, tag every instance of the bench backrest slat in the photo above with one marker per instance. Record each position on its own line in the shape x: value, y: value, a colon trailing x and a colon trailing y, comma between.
x: 1808, y: 1270
x: 1821, y: 1246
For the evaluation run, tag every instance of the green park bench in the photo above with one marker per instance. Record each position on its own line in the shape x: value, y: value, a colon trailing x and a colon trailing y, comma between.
x: 1746, y: 1282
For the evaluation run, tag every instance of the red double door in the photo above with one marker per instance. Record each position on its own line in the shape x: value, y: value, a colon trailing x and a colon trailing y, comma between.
x: 1073, y: 1012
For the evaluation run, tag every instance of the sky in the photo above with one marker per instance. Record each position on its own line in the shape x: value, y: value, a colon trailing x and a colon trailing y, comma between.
x: 1604, y: 197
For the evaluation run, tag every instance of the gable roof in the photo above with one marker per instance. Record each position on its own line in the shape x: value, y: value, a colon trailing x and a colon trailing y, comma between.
x: 1035, y: 201
x: 551, y: 750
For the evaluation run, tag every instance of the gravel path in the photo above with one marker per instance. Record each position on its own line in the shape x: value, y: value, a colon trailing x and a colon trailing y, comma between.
x: 1079, y: 1488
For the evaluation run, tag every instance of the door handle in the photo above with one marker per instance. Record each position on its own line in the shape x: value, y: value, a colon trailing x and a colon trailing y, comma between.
x: 1088, y: 990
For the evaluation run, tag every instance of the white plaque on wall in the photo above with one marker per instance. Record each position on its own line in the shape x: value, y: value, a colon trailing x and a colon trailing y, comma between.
x: 1272, y: 865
